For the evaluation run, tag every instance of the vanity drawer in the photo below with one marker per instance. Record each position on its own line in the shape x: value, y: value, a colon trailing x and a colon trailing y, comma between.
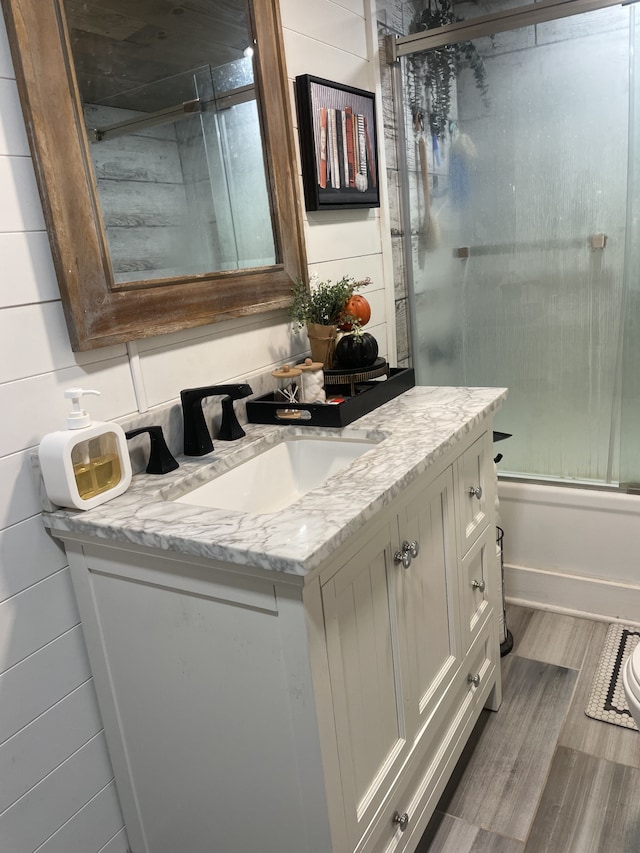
x: 478, y: 573
x: 475, y: 490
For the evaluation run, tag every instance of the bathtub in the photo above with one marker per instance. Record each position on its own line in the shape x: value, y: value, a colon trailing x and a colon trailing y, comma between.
x: 571, y: 550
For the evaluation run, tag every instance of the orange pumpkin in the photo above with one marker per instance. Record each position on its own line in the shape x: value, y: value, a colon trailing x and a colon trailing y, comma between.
x: 358, y: 307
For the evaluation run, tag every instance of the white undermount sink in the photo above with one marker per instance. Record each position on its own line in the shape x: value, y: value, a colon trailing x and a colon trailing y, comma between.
x: 280, y: 475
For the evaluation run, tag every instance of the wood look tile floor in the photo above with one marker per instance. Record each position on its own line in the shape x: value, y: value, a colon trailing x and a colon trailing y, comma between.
x: 540, y: 776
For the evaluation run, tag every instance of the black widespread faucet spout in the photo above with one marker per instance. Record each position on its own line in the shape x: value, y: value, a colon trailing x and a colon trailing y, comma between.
x: 197, y: 438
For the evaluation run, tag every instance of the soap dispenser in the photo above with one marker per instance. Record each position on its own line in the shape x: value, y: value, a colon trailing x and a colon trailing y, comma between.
x: 86, y: 464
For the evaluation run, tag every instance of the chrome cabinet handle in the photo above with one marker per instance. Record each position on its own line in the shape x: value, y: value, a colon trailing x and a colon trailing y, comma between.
x: 475, y: 492
x: 481, y: 585
x: 408, y: 552
x: 402, y: 558
x: 401, y: 820
x: 412, y: 548
x: 473, y: 679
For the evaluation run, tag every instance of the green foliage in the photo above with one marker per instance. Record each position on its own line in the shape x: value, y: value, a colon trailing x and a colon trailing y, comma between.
x: 432, y: 74
x: 322, y: 302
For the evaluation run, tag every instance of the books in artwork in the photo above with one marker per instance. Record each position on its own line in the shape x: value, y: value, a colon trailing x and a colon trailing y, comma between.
x: 322, y: 176
x: 350, y: 174
x: 362, y: 182
x: 334, y: 168
x: 339, y: 150
x: 345, y: 150
x: 372, y: 170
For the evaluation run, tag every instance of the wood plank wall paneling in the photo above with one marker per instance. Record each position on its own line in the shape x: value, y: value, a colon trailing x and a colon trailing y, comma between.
x: 42, y: 680
x: 32, y: 819
x: 37, y: 749
x: 96, y: 822
x: 60, y: 796
x: 56, y: 783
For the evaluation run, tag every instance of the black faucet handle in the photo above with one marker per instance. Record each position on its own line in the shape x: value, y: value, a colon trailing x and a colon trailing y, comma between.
x: 161, y: 460
x: 230, y: 429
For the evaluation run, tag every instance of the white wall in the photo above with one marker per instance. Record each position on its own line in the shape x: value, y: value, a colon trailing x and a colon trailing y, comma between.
x: 56, y: 788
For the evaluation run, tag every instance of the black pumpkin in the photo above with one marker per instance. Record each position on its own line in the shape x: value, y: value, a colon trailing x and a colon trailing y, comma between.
x: 353, y: 352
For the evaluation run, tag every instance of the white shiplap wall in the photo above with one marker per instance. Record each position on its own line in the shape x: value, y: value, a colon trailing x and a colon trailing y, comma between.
x: 56, y: 788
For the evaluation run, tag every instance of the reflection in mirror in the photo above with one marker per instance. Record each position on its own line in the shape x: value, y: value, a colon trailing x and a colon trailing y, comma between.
x: 176, y: 149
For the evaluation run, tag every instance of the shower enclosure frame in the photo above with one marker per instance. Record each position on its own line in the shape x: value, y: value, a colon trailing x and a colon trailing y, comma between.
x: 398, y: 47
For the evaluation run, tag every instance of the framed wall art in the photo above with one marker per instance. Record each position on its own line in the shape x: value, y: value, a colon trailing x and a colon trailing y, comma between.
x: 338, y: 145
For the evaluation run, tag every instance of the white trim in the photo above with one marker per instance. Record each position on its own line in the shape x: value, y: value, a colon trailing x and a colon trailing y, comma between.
x: 137, y: 377
x: 572, y: 595
x: 384, y: 222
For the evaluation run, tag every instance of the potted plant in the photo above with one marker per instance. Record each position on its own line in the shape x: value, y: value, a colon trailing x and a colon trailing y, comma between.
x: 320, y: 307
x: 433, y: 73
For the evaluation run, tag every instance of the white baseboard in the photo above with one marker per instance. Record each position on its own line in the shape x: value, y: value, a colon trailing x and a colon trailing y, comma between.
x: 573, y: 595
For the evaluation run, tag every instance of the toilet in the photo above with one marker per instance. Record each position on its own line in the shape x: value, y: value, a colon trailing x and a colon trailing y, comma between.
x: 631, y: 683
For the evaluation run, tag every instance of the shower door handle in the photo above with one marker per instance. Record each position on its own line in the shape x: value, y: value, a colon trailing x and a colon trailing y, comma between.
x: 598, y: 242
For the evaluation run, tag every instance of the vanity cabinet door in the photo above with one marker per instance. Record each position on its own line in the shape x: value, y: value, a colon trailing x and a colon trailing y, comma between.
x: 364, y: 671
x: 427, y: 593
x: 476, y: 490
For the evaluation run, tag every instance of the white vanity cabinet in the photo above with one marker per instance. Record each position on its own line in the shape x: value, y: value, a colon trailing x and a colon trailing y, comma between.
x: 250, y: 709
x: 411, y: 653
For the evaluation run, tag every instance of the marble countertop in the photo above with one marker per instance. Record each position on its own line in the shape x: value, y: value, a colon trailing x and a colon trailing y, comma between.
x: 413, y: 431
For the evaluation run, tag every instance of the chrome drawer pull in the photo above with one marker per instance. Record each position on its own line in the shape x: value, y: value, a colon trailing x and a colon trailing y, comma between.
x: 401, y: 820
x: 481, y: 585
x: 402, y: 558
x: 473, y: 679
x: 412, y: 548
x: 475, y: 492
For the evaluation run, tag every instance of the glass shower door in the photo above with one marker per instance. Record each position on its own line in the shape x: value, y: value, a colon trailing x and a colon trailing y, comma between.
x: 518, y: 219
x: 630, y: 343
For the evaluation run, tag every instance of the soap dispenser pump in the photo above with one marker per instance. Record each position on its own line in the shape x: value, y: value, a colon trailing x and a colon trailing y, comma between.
x: 86, y: 464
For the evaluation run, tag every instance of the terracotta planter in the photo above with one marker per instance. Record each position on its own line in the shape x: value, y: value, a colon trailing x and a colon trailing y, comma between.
x: 323, y: 343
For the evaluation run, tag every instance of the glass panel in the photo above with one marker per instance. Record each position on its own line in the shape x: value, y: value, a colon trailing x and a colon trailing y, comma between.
x: 182, y: 188
x: 234, y: 181
x: 630, y: 410
x: 510, y: 205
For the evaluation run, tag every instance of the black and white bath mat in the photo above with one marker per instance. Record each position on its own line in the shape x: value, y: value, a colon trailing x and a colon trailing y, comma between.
x: 607, y: 701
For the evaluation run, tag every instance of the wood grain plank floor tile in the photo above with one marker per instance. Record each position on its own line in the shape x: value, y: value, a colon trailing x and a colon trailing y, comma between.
x: 499, y: 778
x: 589, y: 806
x: 549, y: 637
x: 446, y: 834
x: 595, y: 737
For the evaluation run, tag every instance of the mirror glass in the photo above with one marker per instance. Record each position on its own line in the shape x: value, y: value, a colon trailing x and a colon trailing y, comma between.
x: 170, y: 112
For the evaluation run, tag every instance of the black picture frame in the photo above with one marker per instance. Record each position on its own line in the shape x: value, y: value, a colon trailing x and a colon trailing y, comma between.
x: 338, y: 145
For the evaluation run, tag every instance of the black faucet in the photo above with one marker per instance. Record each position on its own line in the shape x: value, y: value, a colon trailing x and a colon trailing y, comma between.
x: 161, y: 460
x: 197, y: 439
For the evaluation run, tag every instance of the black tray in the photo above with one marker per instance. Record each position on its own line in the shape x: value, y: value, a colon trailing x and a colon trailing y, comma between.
x: 368, y: 396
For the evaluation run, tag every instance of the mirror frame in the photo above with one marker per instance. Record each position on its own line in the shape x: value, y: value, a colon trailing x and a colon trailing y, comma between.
x: 98, y: 311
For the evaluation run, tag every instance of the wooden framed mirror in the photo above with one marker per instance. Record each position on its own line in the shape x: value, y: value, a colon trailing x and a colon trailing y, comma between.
x: 103, y: 307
